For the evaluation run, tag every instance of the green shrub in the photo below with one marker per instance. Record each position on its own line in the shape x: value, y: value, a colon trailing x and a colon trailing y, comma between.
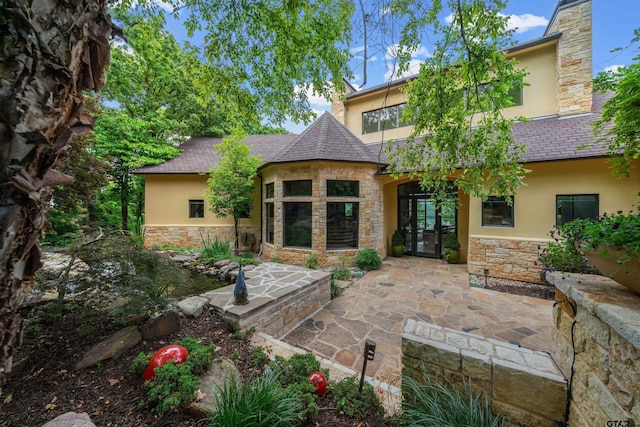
x: 428, y: 403
x: 348, y: 399
x: 335, y: 289
x: 261, y: 402
x: 312, y: 261
x: 562, y: 254
x: 175, y: 385
x: 215, y: 249
x: 368, y: 259
x: 341, y: 273
x: 396, y: 239
x: 296, y: 368
x: 258, y: 356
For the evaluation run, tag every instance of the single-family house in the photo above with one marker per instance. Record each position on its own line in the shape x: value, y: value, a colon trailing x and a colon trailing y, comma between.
x: 326, y: 191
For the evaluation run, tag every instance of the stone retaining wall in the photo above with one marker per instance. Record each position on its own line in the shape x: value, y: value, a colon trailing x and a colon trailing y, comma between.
x: 597, y: 337
x: 523, y: 384
x: 506, y: 258
x: 189, y: 236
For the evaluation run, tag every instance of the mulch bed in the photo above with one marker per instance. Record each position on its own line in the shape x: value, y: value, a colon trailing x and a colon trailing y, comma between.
x: 49, y: 386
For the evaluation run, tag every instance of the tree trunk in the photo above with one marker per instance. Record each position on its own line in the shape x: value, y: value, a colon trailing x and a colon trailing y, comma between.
x: 52, y: 50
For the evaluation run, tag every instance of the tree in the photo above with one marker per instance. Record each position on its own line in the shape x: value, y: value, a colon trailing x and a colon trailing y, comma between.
x: 231, y: 182
x: 619, y: 125
x: 456, y: 102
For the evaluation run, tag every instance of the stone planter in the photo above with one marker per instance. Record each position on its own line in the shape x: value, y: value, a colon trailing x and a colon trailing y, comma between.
x: 612, y: 263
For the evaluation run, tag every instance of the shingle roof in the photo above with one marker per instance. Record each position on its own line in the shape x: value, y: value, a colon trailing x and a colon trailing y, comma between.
x: 327, y: 139
x: 554, y: 137
x: 199, y: 153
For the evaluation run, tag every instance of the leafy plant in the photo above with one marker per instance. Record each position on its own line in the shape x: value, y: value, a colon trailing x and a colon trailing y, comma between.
x: 430, y: 404
x: 396, y: 239
x: 140, y: 363
x: 348, y: 399
x: 335, y: 289
x: 368, y: 259
x: 312, y: 261
x: 258, y: 356
x: 341, y: 273
x: 261, y: 402
x: 215, y: 249
x: 200, y: 356
x: 296, y: 368
x: 618, y: 231
x: 562, y: 254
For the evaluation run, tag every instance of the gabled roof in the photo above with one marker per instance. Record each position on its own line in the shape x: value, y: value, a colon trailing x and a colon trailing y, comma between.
x: 199, y: 153
x: 554, y: 137
x: 326, y: 139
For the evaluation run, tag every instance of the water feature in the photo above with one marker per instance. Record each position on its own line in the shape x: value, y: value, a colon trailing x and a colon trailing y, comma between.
x: 195, y: 283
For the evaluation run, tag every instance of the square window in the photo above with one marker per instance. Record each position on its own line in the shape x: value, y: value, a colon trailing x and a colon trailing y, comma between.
x: 297, y: 224
x: 297, y: 188
x: 496, y: 212
x: 196, y: 208
x: 370, y: 121
x: 270, y: 191
x: 570, y: 207
x: 337, y: 188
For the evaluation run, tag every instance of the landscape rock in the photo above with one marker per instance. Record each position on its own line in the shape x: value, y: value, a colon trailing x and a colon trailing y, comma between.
x: 71, y: 419
x: 181, y: 258
x: 166, y: 254
x: 221, y: 368
x: 193, y: 306
x: 221, y: 263
x: 111, y: 347
x: 160, y: 326
x: 229, y: 267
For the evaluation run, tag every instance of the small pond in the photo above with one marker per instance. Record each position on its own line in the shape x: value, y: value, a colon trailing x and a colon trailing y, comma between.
x: 195, y: 283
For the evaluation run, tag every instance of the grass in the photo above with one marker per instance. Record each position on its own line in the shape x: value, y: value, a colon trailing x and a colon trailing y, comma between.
x: 215, y: 249
x: 428, y: 403
x: 261, y: 402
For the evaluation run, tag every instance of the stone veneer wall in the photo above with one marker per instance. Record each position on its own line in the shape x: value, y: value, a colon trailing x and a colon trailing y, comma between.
x: 574, y: 63
x: 338, y: 108
x: 506, y: 258
x: 523, y: 384
x: 597, y: 340
x: 191, y: 236
x: 370, y: 202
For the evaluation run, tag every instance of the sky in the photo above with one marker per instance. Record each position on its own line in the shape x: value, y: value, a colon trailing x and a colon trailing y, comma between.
x: 613, y: 25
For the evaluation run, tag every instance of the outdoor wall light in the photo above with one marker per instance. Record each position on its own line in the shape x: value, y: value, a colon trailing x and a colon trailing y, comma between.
x: 369, y: 353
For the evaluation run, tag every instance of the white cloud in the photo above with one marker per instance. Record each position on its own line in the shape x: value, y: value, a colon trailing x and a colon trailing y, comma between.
x: 526, y: 22
x: 315, y: 99
x: 356, y: 50
x: 119, y: 44
x: 520, y: 23
x: 614, y: 68
x: 391, y: 60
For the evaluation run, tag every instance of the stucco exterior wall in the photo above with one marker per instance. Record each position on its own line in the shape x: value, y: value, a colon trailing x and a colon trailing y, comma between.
x: 167, y: 212
x: 370, y: 200
x: 511, y: 252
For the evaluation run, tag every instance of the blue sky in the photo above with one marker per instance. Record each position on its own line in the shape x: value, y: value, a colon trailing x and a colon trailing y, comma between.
x: 613, y: 25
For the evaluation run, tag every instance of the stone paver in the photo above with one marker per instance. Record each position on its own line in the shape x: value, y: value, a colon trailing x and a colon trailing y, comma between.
x: 378, y: 306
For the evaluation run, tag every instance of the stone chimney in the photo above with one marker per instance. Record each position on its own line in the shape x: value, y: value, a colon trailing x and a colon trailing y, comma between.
x: 572, y: 18
x: 338, y: 107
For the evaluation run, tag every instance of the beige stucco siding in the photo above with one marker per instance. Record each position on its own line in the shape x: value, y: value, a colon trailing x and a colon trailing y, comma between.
x: 535, y: 204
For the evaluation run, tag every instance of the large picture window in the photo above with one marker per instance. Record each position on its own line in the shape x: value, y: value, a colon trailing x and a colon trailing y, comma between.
x: 297, y: 224
x: 269, y: 191
x: 271, y: 223
x: 297, y: 188
x: 343, y: 188
x: 342, y: 225
x: 496, y: 212
x: 196, y: 208
x: 570, y: 207
x: 384, y: 119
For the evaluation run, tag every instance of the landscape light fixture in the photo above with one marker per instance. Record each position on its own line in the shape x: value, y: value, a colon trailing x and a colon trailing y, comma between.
x: 369, y: 353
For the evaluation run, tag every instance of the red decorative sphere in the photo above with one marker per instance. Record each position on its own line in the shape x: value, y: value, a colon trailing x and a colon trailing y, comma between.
x: 177, y: 353
x: 319, y: 381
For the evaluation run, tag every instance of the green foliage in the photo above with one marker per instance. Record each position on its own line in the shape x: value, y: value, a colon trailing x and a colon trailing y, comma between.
x: 396, y: 239
x: 368, y: 259
x: 276, y: 260
x: 258, y: 356
x: 217, y: 249
x: 261, y: 402
x: 451, y: 242
x: 172, y: 387
x: 355, y: 405
x: 562, y: 255
x: 312, y: 261
x: 428, y: 403
x: 335, y: 289
x: 341, y: 273
x: 620, y: 121
x: 175, y: 385
x: 457, y: 98
x: 297, y: 368
x: 231, y: 182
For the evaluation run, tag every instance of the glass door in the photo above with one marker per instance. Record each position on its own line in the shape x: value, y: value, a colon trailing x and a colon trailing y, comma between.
x: 423, y: 222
